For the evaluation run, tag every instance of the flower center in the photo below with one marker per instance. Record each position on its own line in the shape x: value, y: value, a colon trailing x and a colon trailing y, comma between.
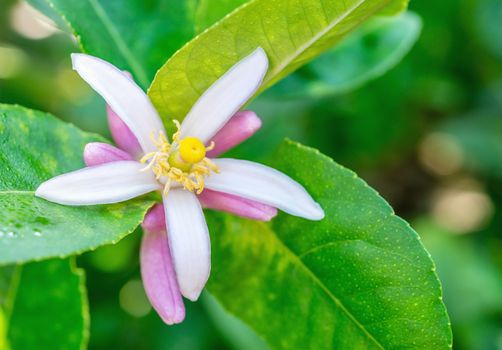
x: 182, y: 162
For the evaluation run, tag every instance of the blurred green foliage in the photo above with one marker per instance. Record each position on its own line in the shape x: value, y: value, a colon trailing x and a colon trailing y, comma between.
x: 427, y: 135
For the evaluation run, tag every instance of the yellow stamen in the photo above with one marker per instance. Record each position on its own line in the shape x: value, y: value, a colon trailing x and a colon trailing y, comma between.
x: 211, y: 146
x: 183, y: 162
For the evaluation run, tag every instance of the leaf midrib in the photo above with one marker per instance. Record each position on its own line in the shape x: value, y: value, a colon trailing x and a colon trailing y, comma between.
x: 323, y: 287
x: 310, y: 42
x: 337, y: 20
x: 121, y: 45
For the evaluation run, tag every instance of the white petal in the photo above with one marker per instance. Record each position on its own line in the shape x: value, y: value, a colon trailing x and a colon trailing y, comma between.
x: 225, y: 97
x: 102, y: 184
x: 123, y: 95
x: 189, y: 241
x: 263, y: 184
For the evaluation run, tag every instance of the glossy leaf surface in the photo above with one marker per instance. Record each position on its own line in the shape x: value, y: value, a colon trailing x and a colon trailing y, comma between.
x: 359, y: 279
x: 137, y: 36
x: 291, y: 32
x: 36, y: 147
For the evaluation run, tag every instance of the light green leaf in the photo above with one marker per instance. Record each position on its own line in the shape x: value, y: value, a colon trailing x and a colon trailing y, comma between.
x: 48, y: 306
x: 395, y: 7
x: 359, y: 279
x: 134, y: 35
x: 3, y: 332
x: 35, y: 147
x: 291, y: 32
x: 366, y: 54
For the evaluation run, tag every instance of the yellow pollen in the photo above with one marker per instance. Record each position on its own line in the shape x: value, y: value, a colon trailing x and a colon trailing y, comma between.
x: 180, y: 162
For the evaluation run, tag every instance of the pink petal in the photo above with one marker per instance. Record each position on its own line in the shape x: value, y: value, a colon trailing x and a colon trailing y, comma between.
x: 238, y: 129
x: 237, y: 205
x: 122, y: 135
x: 96, y: 153
x: 263, y: 184
x: 155, y: 219
x: 157, y: 270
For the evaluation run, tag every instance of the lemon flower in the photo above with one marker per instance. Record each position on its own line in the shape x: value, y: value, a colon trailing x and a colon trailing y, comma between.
x: 175, y: 253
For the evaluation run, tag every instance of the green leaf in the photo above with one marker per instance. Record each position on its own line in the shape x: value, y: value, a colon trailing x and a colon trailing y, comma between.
x: 359, y: 279
x: 235, y: 332
x: 291, y: 32
x: 209, y: 12
x: 8, y: 285
x: 134, y: 35
x: 9, y: 278
x: 366, y: 54
x: 48, y: 306
x: 36, y: 147
x: 467, y: 266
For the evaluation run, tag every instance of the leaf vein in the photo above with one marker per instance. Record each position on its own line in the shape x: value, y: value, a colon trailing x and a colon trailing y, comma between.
x: 119, y: 42
x: 333, y: 243
x: 310, y: 42
x: 328, y: 292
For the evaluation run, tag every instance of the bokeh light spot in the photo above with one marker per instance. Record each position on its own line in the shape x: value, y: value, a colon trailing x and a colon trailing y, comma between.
x: 133, y: 300
x: 72, y: 87
x: 30, y: 23
x: 462, y: 208
x: 440, y: 154
x: 12, y: 61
